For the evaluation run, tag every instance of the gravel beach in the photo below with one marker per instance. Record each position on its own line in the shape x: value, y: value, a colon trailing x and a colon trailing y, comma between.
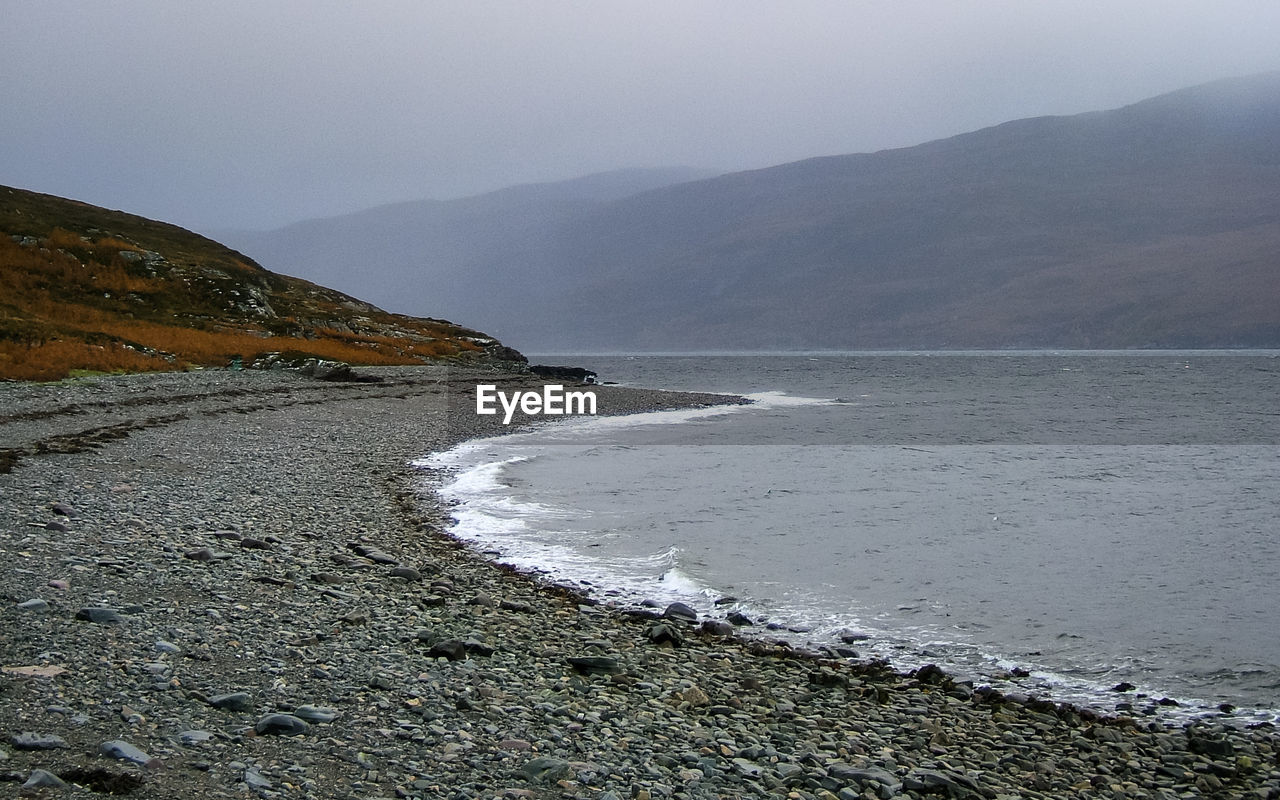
x: 228, y: 584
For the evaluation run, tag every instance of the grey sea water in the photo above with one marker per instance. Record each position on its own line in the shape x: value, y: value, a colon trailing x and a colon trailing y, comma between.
x: 1091, y: 518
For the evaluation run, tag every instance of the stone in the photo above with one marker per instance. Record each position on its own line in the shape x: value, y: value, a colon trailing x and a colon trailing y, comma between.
x: 99, y: 616
x: 515, y: 605
x: 194, y: 737
x: 717, y: 627
x: 28, y: 740
x: 55, y: 525
x: 546, y: 769
x: 680, y: 612
x: 595, y: 665
x: 451, y: 649
x: 64, y: 510
x: 280, y: 725
x: 664, y: 633
x: 233, y: 701
x: 118, y: 748
x: 35, y: 604
x: 695, y: 697
x: 255, y: 780
x: 747, y: 769
x: 407, y: 573
x: 1212, y: 747
x: 931, y: 782
x: 254, y: 544
x: 43, y: 779
x: 199, y: 554
x: 317, y: 714
x: 738, y: 618
x: 167, y: 647
x: 478, y: 648
x: 930, y: 673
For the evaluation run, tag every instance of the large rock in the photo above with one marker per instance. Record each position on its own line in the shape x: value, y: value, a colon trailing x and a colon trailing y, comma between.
x: 681, y: 612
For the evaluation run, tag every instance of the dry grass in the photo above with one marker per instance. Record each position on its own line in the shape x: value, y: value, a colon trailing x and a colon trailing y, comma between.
x: 74, y: 303
x: 53, y: 360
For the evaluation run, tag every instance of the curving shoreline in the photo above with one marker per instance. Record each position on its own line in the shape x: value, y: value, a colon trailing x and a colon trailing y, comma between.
x: 261, y: 542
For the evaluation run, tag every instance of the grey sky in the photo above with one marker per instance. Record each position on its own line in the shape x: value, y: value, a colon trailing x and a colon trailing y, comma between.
x: 254, y: 114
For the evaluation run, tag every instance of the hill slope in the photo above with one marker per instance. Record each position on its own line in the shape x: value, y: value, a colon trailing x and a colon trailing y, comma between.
x: 1153, y: 225
x: 444, y: 254
x: 82, y: 287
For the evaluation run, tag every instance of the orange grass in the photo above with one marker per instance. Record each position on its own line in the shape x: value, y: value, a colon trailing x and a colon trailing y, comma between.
x: 70, y: 304
x: 54, y: 360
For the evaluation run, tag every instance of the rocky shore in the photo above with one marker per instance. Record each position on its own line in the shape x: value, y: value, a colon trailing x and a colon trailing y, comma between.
x: 230, y: 585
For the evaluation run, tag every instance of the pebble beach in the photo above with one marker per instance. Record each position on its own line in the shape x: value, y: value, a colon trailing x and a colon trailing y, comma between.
x: 234, y: 585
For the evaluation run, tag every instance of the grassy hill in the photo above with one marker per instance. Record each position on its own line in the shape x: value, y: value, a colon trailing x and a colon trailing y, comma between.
x: 85, y: 288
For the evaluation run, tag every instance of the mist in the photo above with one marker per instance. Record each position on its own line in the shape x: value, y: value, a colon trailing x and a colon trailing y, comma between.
x: 255, y: 114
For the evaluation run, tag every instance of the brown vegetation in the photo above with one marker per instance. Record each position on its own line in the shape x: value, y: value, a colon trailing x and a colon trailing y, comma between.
x: 75, y: 297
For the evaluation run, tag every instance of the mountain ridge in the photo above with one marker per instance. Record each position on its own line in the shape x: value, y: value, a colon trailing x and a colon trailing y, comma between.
x: 1151, y: 225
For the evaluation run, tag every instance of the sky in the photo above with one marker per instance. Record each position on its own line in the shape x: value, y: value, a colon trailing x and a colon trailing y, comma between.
x: 228, y: 114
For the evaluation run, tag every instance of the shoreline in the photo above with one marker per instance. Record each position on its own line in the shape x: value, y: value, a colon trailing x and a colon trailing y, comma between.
x: 635, y: 586
x: 450, y: 676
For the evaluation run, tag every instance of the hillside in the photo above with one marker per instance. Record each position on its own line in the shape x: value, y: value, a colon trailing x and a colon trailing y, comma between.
x: 84, y: 288
x: 1153, y: 225
x: 446, y: 254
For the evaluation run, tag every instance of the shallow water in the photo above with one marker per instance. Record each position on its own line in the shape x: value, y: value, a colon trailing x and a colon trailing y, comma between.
x: 1092, y: 518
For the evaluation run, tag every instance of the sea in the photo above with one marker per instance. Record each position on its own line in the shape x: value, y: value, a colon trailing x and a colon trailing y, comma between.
x: 1061, y: 525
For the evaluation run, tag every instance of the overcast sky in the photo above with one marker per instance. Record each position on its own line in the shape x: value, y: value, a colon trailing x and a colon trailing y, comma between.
x: 255, y: 114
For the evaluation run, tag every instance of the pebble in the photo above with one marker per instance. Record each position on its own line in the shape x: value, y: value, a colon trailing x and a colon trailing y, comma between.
x: 99, y: 616
x: 34, y: 604
x: 194, y: 737
x: 42, y: 779
x: 680, y: 612
x: 590, y: 665
x: 232, y: 701
x: 255, y: 780
x: 572, y: 698
x: 36, y: 741
x: 546, y: 769
x: 117, y: 748
x: 316, y: 714
x: 280, y: 725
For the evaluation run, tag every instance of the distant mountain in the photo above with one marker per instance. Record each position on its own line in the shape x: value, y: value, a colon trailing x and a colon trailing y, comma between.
x: 85, y: 288
x: 1152, y: 225
x: 444, y: 254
